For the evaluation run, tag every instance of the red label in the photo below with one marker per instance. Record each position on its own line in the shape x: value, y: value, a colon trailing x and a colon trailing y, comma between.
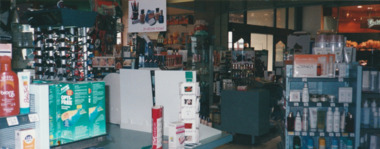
x: 69, y: 92
x: 188, y: 125
x: 188, y: 89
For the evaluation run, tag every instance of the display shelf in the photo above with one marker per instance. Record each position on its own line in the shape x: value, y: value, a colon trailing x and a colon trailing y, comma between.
x: 86, y: 143
x: 325, y: 86
x: 320, y: 104
x: 370, y: 130
x: 17, y: 120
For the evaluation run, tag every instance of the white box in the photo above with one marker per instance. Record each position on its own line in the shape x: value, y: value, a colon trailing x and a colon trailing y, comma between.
x: 191, y: 136
x: 176, y: 135
x: 189, y: 113
x: 345, y: 94
x: 295, y: 96
x: 189, y: 88
x: 25, y: 139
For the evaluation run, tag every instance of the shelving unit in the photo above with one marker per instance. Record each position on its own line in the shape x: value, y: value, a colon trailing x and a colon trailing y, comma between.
x: 11, y: 121
x: 329, y: 86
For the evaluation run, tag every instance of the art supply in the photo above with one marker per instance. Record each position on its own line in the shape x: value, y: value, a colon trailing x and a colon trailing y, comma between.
x: 9, y: 91
x: 313, y: 117
x: 329, y: 120
x: 157, y: 130
x: 290, y: 122
x: 23, y: 85
x: 336, y: 124
x: 298, y: 122
x: 305, y: 93
x: 305, y: 123
x: 25, y: 139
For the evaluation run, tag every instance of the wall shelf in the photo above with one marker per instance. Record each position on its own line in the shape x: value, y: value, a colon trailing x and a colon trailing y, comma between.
x: 6, y: 122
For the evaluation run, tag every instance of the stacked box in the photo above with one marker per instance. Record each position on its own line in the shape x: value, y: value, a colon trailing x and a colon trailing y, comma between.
x: 74, y: 118
x: 97, y: 113
x: 54, y: 115
x: 176, y: 135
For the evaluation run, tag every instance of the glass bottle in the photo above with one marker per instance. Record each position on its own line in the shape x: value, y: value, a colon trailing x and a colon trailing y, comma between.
x: 157, y: 14
x: 142, y: 17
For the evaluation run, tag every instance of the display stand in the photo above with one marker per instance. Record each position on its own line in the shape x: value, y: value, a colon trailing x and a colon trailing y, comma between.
x: 325, y: 86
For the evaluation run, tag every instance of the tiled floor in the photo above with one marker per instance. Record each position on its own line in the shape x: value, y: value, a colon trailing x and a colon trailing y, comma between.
x: 271, y: 144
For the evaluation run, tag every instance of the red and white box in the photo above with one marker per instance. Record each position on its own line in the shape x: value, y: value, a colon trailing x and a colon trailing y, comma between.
x: 176, y: 135
x: 157, y: 129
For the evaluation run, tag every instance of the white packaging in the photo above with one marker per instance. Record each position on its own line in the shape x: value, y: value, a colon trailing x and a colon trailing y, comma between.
x: 191, y: 136
x: 345, y: 95
x: 336, y: 120
x: 25, y: 139
x: 23, y: 85
x: 189, y: 107
x: 298, y: 122
x: 295, y: 96
x: 176, y: 135
x: 365, y: 81
x: 342, y: 67
x: 305, y: 93
x: 329, y: 120
x: 189, y: 88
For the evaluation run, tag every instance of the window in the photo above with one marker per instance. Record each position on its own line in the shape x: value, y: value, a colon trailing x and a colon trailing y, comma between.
x: 291, y: 18
x: 280, y: 17
x: 236, y: 17
x: 230, y: 40
x: 260, y: 17
x: 264, y: 42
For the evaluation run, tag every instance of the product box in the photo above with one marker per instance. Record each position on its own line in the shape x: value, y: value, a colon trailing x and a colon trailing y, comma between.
x: 295, y: 96
x: 313, y: 65
x: 97, y: 109
x: 74, y: 113
x: 345, y: 95
x: 189, y: 107
x: 54, y: 115
x: 25, y: 139
x: 191, y: 136
x: 176, y: 135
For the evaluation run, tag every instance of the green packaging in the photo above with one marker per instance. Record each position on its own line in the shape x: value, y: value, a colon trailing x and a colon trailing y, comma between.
x: 54, y: 115
x: 74, y: 120
x: 97, y: 113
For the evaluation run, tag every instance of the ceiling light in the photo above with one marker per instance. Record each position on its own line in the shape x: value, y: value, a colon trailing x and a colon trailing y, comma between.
x: 369, y: 8
x: 360, y: 6
x: 354, y: 19
x: 347, y: 14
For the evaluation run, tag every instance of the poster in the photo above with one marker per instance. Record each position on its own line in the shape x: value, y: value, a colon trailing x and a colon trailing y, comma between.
x: 146, y: 16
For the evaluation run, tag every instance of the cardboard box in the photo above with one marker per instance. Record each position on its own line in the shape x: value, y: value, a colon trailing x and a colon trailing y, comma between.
x: 25, y: 139
x: 54, y: 115
x: 313, y: 65
x: 97, y: 109
x: 176, y: 135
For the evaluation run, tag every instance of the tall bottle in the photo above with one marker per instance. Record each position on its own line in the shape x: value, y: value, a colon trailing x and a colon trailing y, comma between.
x: 329, y: 120
x: 298, y: 122
x: 366, y: 112
x: 305, y: 123
x: 310, y: 143
x: 349, y: 144
x: 290, y: 122
x: 9, y: 92
x: 375, y: 121
x: 157, y: 14
x: 343, y: 121
x: 336, y: 120
x: 322, y: 143
x: 297, y: 142
x: 305, y: 93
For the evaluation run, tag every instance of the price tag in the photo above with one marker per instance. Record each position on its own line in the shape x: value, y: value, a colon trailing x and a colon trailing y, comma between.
x: 304, y: 79
x: 33, y: 118
x: 331, y: 134
x: 340, y: 79
x: 297, y: 134
x: 345, y: 105
x: 337, y: 134
x: 322, y: 134
x: 291, y: 133
x: 319, y: 104
x: 332, y: 104
x: 12, y: 121
x: 312, y: 134
x: 306, y: 104
x: 344, y: 134
x: 304, y: 133
x: 352, y: 134
x: 296, y: 104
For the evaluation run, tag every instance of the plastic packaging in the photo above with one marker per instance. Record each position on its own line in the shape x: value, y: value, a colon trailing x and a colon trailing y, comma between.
x: 24, y: 82
x: 298, y: 122
x: 348, y: 54
x: 304, y: 120
x: 9, y: 91
x: 336, y: 120
x: 310, y: 143
x: 366, y: 113
x: 313, y: 118
x: 305, y: 93
x: 343, y: 121
x: 329, y: 120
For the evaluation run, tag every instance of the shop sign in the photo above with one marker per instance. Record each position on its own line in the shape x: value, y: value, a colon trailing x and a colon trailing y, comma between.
x: 146, y: 16
x: 371, y: 23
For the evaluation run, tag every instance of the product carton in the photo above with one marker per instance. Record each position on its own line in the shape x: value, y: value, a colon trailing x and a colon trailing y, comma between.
x: 25, y: 139
x: 97, y: 113
x: 313, y: 65
x: 74, y: 119
x: 54, y: 115
x: 176, y: 135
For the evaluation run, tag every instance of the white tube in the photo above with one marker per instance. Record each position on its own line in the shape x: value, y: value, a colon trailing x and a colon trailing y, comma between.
x: 313, y: 118
x: 23, y: 83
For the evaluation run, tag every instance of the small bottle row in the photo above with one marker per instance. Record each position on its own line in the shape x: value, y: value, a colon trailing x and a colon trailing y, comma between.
x: 322, y: 143
x: 370, y: 115
x: 318, y: 119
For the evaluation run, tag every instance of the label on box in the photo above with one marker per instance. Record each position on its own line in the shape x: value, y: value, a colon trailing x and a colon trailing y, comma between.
x: 12, y: 121
x: 33, y: 118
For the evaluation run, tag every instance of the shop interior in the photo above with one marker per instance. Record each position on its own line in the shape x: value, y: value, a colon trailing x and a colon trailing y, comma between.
x: 202, y: 74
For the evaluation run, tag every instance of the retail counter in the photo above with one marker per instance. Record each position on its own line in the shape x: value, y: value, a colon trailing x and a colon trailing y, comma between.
x: 245, y: 112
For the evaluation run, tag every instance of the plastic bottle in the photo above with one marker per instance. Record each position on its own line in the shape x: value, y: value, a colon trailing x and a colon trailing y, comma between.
x: 366, y: 113
x: 329, y: 120
x: 298, y: 122
x: 350, y: 122
x: 336, y: 120
x: 375, y: 120
x: 297, y: 142
x: 349, y: 144
x: 334, y: 144
x: 9, y: 92
x: 310, y: 143
x: 343, y: 121
x: 290, y: 122
x: 378, y: 118
x: 322, y: 143
x: 305, y: 93
x: 304, y: 120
